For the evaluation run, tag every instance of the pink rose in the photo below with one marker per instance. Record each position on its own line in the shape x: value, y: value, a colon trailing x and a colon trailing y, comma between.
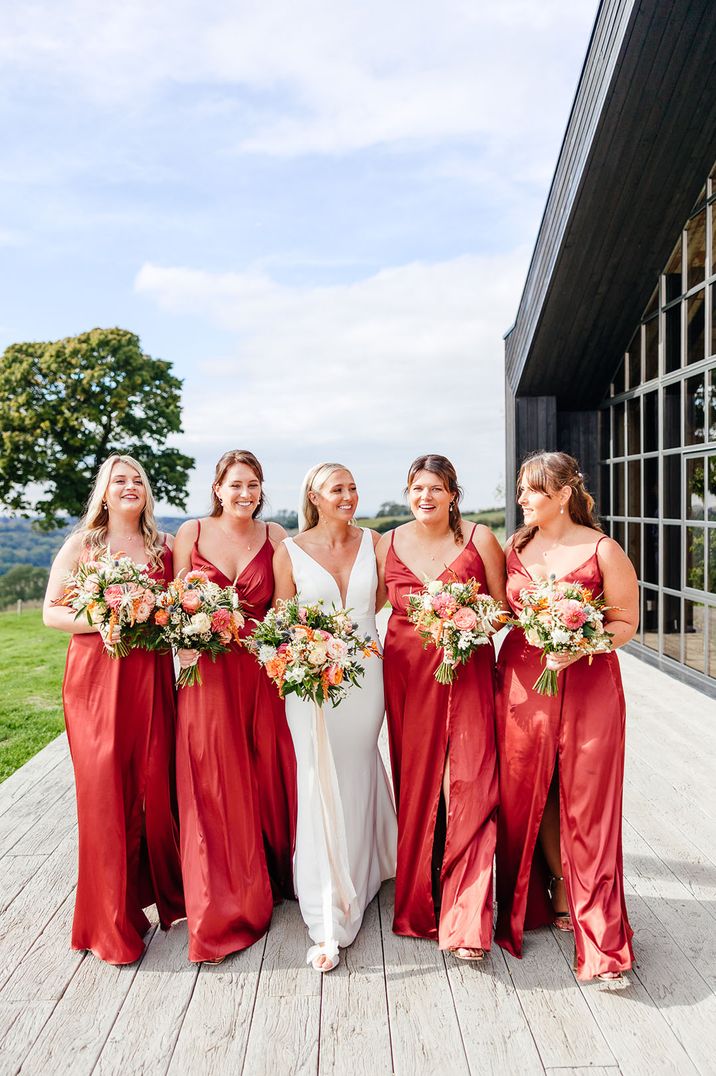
x: 191, y: 602
x: 571, y: 613
x: 113, y: 595
x: 336, y: 649
x: 465, y: 619
x: 302, y: 614
x: 221, y: 620
x: 143, y: 612
x: 444, y: 604
x: 283, y: 648
x: 319, y: 633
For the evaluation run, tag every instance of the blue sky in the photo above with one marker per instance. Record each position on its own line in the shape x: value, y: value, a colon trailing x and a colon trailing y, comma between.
x: 321, y: 213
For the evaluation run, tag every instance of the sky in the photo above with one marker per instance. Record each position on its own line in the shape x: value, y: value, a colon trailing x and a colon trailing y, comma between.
x: 321, y: 213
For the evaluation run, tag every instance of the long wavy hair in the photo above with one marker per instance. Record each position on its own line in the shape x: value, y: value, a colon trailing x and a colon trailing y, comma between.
x: 549, y: 472
x: 94, y: 523
x: 236, y: 455
x: 443, y: 468
x: 312, y: 483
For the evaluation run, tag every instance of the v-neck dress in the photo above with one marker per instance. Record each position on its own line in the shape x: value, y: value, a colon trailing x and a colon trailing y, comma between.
x: 364, y: 822
x: 445, y: 895
x: 582, y: 730
x: 236, y: 784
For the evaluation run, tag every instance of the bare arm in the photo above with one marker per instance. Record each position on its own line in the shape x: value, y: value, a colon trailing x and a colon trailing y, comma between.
x: 494, y: 560
x: 380, y: 548
x: 183, y: 545
x: 620, y: 591
x: 58, y: 616
x: 276, y: 534
x: 284, y: 584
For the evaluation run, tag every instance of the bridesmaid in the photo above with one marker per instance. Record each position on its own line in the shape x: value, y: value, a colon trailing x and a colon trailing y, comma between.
x: 442, y: 739
x: 120, y: 718
x: 559, y: 851
x: 235, y: 764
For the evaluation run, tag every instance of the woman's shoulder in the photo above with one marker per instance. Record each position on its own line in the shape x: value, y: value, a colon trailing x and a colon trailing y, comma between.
x: 189, y: 530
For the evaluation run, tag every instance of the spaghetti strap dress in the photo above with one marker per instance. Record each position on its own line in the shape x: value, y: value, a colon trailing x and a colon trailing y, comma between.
x: 236, y: 784
x: 440, y: 893
x: 120, y: 716
x: 581, y: 730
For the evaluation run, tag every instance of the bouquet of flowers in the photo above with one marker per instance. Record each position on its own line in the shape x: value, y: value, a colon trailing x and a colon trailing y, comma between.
x: 311, y: 651
x: 456, y: 618
x: 562, y: 618
x: 115, y: 593
x: 196, y: 614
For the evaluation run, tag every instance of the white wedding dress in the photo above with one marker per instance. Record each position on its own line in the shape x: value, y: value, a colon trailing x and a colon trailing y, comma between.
x: 342, y: 783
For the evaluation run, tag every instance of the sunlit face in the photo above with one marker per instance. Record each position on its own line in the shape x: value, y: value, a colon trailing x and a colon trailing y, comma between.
x: 540, y: 508
x: 337, y: 497
x: 125, y: 491
x: 429, y: 498
x: 239, y: 491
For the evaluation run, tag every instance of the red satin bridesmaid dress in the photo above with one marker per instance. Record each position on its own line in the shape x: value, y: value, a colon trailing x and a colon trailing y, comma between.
x: 427, y: 720
x: 582, y: 730
x: 120, y: 718
x: 236, y: 784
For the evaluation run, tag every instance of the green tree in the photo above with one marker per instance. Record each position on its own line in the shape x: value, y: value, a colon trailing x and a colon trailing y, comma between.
x: 67, y: 405
x: 25, y: 582
x: 392, y: 508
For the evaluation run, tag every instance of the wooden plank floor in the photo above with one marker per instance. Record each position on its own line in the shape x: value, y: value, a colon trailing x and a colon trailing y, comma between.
x: 395, y: 1005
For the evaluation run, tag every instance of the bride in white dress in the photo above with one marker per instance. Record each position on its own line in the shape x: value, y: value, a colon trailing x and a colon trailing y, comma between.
x: 343, y: 853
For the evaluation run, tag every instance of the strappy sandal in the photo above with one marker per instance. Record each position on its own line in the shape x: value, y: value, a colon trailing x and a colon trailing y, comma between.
x: 464, y: 952
x: 328, y: 950
x: 561, y: 920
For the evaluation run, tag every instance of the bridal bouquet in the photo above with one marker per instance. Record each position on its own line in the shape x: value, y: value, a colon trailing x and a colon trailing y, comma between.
x: 114, y: 592
x: 562, y: 618
x: 196, y: 614
x: 456, y: 618
x: 311, y: 651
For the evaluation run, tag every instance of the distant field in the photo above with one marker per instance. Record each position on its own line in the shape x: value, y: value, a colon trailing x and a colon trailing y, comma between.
x: 33, y: 661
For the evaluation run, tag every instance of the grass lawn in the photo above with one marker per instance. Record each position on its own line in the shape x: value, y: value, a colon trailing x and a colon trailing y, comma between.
x: 33, y: 661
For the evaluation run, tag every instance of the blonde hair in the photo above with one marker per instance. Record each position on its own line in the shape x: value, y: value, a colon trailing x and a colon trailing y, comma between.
x: 443, y: 468
x: 236, y: 455
x: 548, y: 472
x: 94, y: 523
x: 312, y: 483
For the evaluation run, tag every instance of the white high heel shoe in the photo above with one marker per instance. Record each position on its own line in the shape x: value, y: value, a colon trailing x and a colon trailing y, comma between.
x: 327, y: 949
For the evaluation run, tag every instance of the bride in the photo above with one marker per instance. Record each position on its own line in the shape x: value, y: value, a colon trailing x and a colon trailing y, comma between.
x: 340, y: 861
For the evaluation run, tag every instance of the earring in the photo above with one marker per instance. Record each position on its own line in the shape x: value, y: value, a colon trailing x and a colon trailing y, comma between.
x: 221, y: 502
x: 452, y: 506
x: 104, y: 505
x: 561, y: 511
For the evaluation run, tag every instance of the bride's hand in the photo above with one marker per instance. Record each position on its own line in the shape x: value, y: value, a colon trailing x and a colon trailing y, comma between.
x: 187, y: 658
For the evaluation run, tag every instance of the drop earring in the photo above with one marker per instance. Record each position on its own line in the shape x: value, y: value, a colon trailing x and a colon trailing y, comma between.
x: 561, y: 511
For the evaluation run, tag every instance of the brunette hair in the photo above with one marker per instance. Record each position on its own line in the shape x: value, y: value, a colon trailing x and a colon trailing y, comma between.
x: 443, y: 468
x: 93, y: 525
x: 236, y: 455
x: 312, y: 483
x: 548, y: 472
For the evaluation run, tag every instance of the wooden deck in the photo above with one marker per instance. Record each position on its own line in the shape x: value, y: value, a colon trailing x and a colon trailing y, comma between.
x: 395, y: 1004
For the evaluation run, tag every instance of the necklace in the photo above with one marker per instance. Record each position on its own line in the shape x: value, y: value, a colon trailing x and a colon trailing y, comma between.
x: 233, y: 538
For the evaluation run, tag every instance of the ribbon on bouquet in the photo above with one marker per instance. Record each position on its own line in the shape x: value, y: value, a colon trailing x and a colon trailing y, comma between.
x: 333, y: 827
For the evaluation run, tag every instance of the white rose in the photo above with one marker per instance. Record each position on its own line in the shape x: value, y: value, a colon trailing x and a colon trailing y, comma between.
x: 434, y: 586
x: 317, y: 653
x: 533, y: 638
x: 560, y: 638
x: 198, y: 624
x: 427, y: 601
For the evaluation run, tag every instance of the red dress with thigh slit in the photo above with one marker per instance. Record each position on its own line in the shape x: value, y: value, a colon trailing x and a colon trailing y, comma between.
x: 236, y: 784
x: 582, y: 730
x: 426, y: 721
x: 120, y: 718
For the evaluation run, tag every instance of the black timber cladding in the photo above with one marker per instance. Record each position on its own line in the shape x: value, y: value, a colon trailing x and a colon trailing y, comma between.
x: 640, y: 139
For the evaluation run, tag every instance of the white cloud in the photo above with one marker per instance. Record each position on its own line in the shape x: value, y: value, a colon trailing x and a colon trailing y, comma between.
x: 404, y: 361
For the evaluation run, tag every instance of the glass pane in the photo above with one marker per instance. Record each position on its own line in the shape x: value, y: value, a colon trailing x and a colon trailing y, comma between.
x: 618, y: 501
x: 650, y: 407
x: 634, y: 546
x: 695, y: 558
x: 694, y: 635
x: 712, y: 405
x: 634, y: 360
x: 672, y: 342
x: 651, y: 349
x: 634, y: 427
x: 651, y: 553
x: 673, y: 273
x: 634, y: 473
x: 672, y: 416
x: 650, y: 619
x: 605, y: 419
x: 672, y: 487
x: 672, y: 627
x: 694, y: 410
x: 651, y: 488
x: 604, y: 504
x: 712, y: 561
x: 712, y: 641
x: 618, y: 381
x: 672, y: 556
x: 695, y: 327
x: 695, y: 488
x: 618, y: 533
x: 618, y: 429
x: 712, y: 345
x: 696, y: 250
x: 711, y: 464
